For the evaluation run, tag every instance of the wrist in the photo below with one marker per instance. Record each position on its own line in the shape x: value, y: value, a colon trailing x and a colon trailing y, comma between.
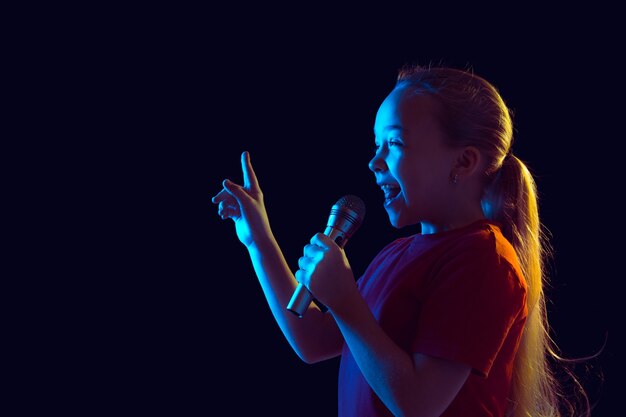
x: 349, y: 304
x: 262, y: 245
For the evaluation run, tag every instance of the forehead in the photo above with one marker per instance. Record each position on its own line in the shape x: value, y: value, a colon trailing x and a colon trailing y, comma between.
x: 403, y: 108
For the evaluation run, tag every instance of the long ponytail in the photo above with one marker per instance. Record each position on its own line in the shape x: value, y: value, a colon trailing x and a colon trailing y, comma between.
x: 511, y: 199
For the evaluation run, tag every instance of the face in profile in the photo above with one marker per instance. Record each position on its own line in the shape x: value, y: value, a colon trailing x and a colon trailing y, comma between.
x: 412, y: 164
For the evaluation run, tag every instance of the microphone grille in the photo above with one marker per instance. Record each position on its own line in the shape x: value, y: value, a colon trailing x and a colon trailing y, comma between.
x: 353, y: 203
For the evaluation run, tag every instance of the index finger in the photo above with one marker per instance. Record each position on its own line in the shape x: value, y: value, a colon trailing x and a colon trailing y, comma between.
x: 249, y: 177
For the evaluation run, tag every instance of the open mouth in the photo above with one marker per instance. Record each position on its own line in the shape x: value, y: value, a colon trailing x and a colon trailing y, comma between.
x: 392, y: 192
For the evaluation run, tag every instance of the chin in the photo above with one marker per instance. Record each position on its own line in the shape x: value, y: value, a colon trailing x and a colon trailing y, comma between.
x: 404, y: 218
x: 396, y: 221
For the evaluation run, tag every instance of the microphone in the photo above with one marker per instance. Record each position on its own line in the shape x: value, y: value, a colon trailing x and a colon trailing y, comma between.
x: 346, y: 216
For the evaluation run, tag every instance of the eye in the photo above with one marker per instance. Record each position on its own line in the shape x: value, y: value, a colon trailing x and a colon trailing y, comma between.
x: 390, y: 143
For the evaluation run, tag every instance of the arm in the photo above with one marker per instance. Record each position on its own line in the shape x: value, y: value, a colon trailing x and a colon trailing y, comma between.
x: 314, y: 337
x: 409, y: 385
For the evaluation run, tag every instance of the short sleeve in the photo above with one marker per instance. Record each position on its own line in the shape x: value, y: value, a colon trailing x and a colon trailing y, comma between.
x: 470, y: 305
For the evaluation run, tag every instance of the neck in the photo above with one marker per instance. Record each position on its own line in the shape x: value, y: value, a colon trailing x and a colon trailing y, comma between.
x: 460, y: 220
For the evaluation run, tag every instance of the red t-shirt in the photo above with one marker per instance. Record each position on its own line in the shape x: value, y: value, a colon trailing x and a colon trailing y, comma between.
x: 458, y: 295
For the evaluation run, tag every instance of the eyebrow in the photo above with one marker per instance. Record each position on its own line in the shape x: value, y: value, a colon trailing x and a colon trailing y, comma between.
x: 391, y: 127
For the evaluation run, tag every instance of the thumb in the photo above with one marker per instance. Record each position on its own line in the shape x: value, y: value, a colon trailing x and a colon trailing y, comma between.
x: 235, y: 190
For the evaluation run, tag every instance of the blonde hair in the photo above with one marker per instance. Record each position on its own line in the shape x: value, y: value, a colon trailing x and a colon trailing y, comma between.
x: 472, y: 112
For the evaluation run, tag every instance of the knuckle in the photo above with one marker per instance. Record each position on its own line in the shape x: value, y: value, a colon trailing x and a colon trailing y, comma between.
x: 319, y: 237
x: 301, y: 277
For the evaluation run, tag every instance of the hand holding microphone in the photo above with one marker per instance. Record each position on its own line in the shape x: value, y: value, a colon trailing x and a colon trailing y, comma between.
x: 346, y: 216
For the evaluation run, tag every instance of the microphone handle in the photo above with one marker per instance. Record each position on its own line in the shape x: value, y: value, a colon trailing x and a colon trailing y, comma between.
x: 302, y: 297
x: 300, y: 301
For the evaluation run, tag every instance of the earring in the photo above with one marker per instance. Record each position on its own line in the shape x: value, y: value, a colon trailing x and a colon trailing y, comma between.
x: 456, y: 178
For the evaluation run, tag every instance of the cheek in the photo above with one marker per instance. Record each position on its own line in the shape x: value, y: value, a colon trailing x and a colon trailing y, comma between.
x: 401, y: 166
x: 421, y: 184
x: 411, y: 181
x: 394, y: 161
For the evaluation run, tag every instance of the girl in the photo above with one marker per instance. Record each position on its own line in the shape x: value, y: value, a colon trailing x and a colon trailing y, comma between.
x: 450, y: 321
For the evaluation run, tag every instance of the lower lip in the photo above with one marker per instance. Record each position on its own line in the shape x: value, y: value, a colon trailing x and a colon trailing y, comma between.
x: 390, y: 202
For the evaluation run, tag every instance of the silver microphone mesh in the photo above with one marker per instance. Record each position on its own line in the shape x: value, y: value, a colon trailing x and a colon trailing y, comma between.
x: 353, y: 203
x: 346, y: 216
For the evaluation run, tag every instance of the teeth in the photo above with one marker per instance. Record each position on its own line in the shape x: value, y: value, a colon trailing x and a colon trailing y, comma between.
x: 390, y: 191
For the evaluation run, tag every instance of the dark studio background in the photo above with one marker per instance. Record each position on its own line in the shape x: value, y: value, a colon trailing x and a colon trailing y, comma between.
x: 172, y: 318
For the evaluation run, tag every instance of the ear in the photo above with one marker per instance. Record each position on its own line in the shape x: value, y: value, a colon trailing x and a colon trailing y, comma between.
x: 467, y: 162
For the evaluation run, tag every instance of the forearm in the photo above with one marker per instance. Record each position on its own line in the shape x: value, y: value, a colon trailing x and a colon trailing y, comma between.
x: 311, y: 336
x: 388, y: 369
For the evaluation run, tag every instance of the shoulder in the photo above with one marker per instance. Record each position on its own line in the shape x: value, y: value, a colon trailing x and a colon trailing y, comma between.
x: 485, y: 242
x: 486, y: 256
x: 482, y: 235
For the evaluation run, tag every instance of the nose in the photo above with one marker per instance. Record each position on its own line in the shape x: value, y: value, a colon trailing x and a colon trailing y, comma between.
x: 378, y: 164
